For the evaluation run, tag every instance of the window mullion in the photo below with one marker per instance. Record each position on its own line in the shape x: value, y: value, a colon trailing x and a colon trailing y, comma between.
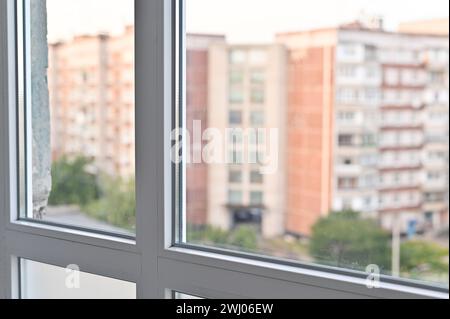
x: 152, y: 100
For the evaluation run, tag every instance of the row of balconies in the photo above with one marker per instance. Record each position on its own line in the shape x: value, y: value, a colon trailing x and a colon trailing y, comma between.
x: 347, y: 95
x: 359, y: 52
x: 351, y: 177
x: 373, y: 203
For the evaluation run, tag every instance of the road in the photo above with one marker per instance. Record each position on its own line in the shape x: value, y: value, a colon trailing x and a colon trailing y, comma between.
x: 71, y: 215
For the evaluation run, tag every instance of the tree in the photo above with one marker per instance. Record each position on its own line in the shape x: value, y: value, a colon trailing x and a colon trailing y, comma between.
x: 243, y: 237
x: 117, y: 202
x: 72, y: 184
x: 423, y: 257
x: 345, y: 240
x: 207, y: 235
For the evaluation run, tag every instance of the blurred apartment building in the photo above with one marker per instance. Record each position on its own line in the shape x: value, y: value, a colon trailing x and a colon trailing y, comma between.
x: 433, y: 26
x: 368, y: 126
x: 92, y: 100
x: 362, y: 116
x: 197, y: 80
x: 247, y: 93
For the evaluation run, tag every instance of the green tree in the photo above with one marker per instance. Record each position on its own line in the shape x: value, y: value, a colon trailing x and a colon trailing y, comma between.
x: 72, y: 184
x: 423, y: 257
x: 117, y: 203
x: 344, y: 239
x: 207, y: 235
x: 243, y: 237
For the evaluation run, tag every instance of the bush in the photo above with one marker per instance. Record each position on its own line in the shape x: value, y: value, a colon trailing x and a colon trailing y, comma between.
x: 423, y: 257
x: 243, y: 237
x: 345, y: 240
x: 72, y: 184
x: 207, y: 235
x: 117, y: 203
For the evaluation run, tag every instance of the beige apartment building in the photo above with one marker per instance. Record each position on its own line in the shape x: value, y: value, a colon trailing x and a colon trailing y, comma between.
x: 92, y: 100
x: 247, y: 91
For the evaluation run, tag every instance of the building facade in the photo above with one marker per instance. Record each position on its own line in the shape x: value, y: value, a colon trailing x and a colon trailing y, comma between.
x: 92, y: 101
x: 247, y: 98
x: 433, y: 26
x: 381, y: 101
x: 361, y: 116
x: 197, y: 81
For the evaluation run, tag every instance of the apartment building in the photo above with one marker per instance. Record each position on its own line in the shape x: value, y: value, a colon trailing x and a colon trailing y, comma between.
x: 197, y: 81
x: 92, y: 100
x: 433, y: 26
x: 436, y: 149
x: 360, y: 105
x: 247, y: 95
x: 309, y: 129
x: 362, y: 118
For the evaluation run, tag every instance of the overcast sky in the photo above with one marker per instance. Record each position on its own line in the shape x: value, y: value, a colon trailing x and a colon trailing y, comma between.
x: 240, y: 20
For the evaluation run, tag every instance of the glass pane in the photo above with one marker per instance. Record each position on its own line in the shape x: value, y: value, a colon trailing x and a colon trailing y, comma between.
x: 351, y: 168
x: 182, y: 296
x: 79, y: 108
x: 42, y: 281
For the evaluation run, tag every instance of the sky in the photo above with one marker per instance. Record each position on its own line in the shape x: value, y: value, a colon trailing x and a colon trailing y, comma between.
x: 239, y: 20
x: 67, y: 18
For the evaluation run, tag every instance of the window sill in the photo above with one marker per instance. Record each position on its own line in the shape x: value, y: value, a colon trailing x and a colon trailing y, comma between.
x: 309, y: 276
x: 72, y: 234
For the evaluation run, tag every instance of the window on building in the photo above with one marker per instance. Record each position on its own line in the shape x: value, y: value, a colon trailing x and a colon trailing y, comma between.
x: 238, y: 56
x: 368, y: 140
x: 372, y: 95
x: 257, y: 136
x: 346, y: 183
x: 433, y: 176
x: 235, y: 157
x: 235, y: 118
x: 256, y: 177
x: 236, y: 77
x: 371, y: 52
x: 346, y: 140
x: 236, y: 96
x: 235, y: 197
x: 368, y: 202
x: 347, y: 95
x: 258, y: 77
x: 256, y: 198
x: 235, y: 137
x: 347, y: 161
x: 257, y: 118
x: 372, y: 72
x: 347, y: 71
x: 434, y: 197
x: 235, y: 176
x: 345, y: 116
x: 437, y: 77
x: 348, y: 49
x: 257, y: 96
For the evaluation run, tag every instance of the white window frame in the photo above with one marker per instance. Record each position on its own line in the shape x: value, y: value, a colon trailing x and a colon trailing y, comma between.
x: 153, y: 261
